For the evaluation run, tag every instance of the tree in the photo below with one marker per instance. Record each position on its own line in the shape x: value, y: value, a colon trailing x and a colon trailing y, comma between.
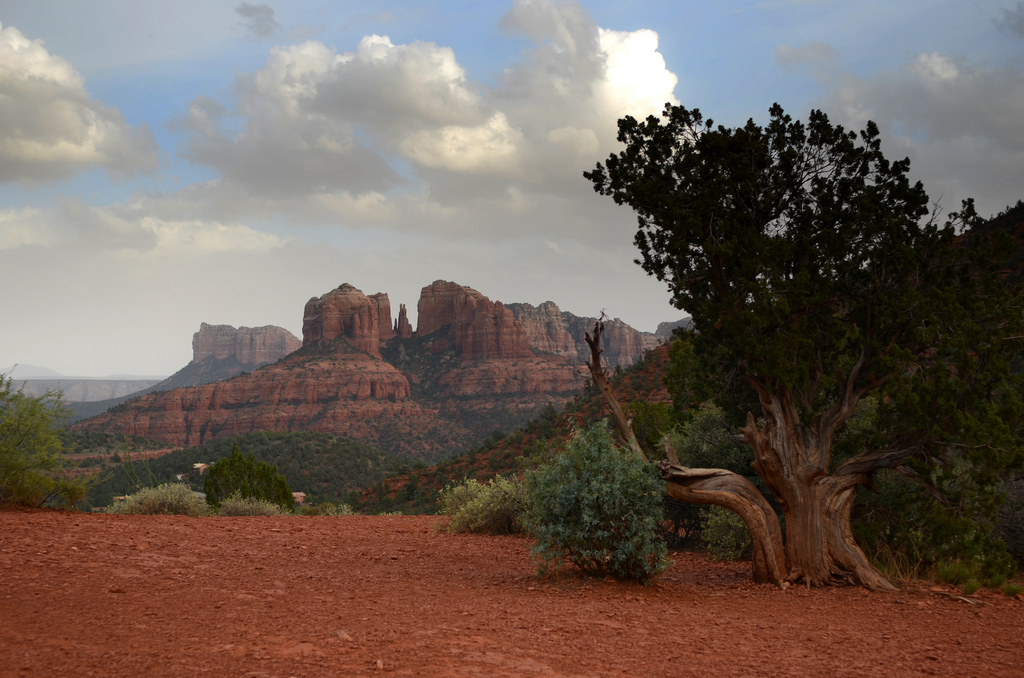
x: 250, y: 479
x: 32, y: 469
x: 816, y: 276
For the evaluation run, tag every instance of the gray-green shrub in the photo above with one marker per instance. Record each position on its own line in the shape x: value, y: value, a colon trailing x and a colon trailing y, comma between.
x: 167, y: 499
x: 326, y: 509
x: 598, y: 506
x: 237, y: 505
x: 494, y: 507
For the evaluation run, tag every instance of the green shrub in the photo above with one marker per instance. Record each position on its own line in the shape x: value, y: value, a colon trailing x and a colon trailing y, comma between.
x: 327, y: 509
x: 598, y: 506
x: 955, y: 572
x: 1011, y: 589
x: 971, y: 586
x: 167, y: 499
x: 724, y: 534
x: 494, y: 507
x: 249, y: 478
x: 237, y: 505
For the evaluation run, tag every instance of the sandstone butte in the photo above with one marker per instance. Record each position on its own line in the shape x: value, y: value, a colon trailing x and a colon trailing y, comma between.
x: 472, y: 365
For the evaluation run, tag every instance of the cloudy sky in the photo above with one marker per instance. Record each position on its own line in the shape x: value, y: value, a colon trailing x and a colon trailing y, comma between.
x: 168, y: 163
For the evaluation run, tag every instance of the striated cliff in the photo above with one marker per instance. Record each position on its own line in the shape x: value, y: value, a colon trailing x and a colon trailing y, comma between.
x: 246, y: 345
x: 560, y: 332
x: 481, y: 328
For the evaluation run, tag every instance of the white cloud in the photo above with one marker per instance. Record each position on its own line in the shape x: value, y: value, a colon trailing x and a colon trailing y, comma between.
x: 23, y: 228
x: 491, y: 147
x: 49, y: 126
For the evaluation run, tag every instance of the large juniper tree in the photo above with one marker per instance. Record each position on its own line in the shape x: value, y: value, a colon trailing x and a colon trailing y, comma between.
x: 816, y: 275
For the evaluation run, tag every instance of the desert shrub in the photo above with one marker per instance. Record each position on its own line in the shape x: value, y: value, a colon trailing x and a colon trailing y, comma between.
x: 244, y: 475
x: 237, y: 505
x: 166, y: 499
x: 494, y: 507
x: 724, y: 534
x: 326, y: 509
x: 1011, y: 589
x: 970, y: 586
x: 598, y: 506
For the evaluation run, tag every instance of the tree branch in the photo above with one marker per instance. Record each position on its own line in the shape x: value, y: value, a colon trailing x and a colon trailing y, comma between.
x: 597, y: 373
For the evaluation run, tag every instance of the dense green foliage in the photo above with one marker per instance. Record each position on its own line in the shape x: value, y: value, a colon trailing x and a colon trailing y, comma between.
x: 166, y: 499
x: 245, y: 477
x: 324, y: 466
x: 723, y: 534
x: 494, y: 507
x: 32, y: 470
x: 599, y: 506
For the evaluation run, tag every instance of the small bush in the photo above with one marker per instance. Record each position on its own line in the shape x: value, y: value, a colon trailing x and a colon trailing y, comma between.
x: 237, y: 505
x: 954, y: 572
x: 494, y: 507
x: 971, y: 586
x: 327, y: 509
x: 724, y: 534
x: 598, y: 506
x: 1011, y: 589
x: 167, y: 499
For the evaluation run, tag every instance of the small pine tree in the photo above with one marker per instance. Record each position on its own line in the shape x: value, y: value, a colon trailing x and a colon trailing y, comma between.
x: 249, y: 479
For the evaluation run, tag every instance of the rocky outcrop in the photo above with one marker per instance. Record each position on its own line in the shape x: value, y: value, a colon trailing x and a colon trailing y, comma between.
x: 562, y: 333
x: 383, y: 315
x: 403, y: 329
x: 545, y: 328
x: 344, y: 312
x: 246, y: 345
x: 482, y: 329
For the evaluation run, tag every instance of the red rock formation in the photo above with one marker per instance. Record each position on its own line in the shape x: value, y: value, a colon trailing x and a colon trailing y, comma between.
x: 482, y: 329
x: 339, y: 393
x: 545, y: 328
x: 383, y: 315
x: 344, y: 312
x: 247, y: 345
x: 403, y: 329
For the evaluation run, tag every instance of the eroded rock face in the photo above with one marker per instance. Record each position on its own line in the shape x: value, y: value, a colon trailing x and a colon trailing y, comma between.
x: 247, y: 345
x: 562, y: 333
x: 345, y: 312
x: 482, y: 329
x: 545, y: 328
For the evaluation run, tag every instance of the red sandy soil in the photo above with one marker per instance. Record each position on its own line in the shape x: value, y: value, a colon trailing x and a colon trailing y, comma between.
x: 106, y: 595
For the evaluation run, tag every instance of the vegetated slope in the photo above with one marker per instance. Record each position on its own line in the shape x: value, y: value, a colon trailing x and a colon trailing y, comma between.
x: 324, y: 466
x: 415, y: 491
x: 1011, y: 221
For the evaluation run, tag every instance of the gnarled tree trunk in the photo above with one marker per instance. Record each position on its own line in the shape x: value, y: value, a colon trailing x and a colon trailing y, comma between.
x: 792, y: 458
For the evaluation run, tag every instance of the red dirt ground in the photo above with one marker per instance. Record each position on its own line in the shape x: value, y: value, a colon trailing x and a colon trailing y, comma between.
x: 106, y: 595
